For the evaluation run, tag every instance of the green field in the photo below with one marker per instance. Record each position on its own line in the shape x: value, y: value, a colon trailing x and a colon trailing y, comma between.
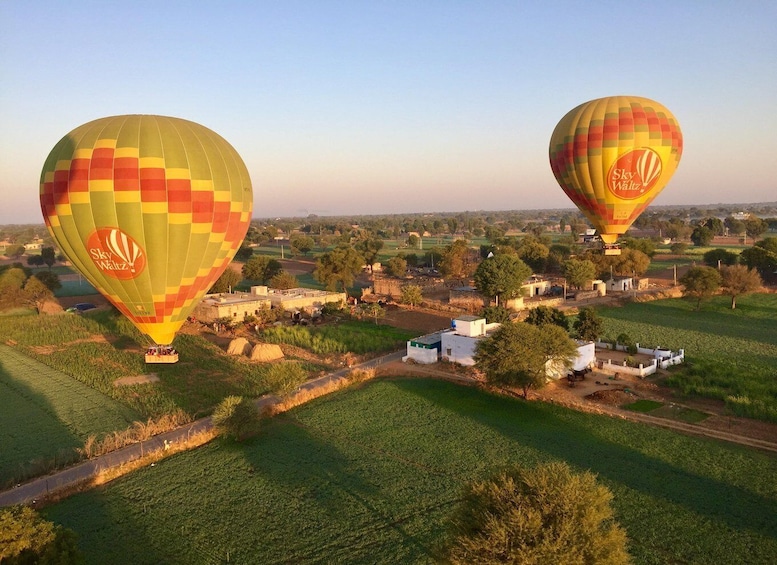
x: 45, y: 414
x: 350, y: 336
x: 731, y: 354
x: 370, y: 475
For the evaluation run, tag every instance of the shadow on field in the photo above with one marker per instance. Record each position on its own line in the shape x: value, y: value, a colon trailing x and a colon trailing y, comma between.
x: 575, y: 439
x: 328, y: 484
x: 33, y: 439
x: 96, y: 517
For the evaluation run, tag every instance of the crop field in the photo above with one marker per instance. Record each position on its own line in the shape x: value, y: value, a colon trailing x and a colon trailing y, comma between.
x: 371, y: 474
x: 351, y: 336
x: 731, y: 354
x: 45, y: 414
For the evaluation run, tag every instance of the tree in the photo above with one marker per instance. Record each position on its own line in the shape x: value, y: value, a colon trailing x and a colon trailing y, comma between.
x: 715, y: 225
x: 413, y: 240
x: 495, y: 314
x: 244, y: 253
x: 734, y: 226
x: 25, y: 537
x: 501, y: 276
x: 412, y: 295
x: 547, y: 514
x: 396, y: 266
x: 228, y: 280
x: 371, y: 310
x: 640, y: 244
x: 579, y: 271
x: 369, y: 249
x: 738, y: 280
x: 755, y: 227
x: 338, y: 267
x: 50, y: 279
x: 14, y: 251
x: 283, y: 281
x: 35, y: 261
x: 719, y: 256
x: 534, y: 254
x: 455, y: 260
x: 700, y: 283
x: 701, y: 236
x: 588, y: 325
x: 261, y: 268
x: 547, y: 315
x: 236, y: 417
x: 301, y: 244
x: 518, y: 354
x: 762, y: 256
x: 35, y: 293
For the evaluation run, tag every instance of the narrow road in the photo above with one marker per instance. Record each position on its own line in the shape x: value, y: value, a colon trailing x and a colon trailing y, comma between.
x: 41, y: 487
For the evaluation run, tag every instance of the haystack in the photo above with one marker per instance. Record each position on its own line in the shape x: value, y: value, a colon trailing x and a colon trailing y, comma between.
x: 266, y: 352
x: 239, y: 346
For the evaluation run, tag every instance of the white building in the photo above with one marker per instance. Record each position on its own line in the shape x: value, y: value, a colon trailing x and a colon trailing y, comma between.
x: 458, y: 344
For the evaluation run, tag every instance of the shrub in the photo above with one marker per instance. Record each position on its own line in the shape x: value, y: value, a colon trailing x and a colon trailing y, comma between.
x: 544, y: 515
x: 284, y: 378
x: 25, y: 537
x: 236, y: 417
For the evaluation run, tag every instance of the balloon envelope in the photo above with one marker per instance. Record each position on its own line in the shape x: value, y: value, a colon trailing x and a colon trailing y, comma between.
x: 612, y: 156
x: 150, y: 209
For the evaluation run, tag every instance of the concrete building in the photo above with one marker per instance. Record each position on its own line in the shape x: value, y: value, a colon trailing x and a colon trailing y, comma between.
x: 303, y: 299
x: 458, y: 344
x: 237, y: 305
x: 424, y: 349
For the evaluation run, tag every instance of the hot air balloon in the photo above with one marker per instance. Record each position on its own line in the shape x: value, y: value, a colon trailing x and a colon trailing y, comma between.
x: 151, y: 210
x: 612, y: 156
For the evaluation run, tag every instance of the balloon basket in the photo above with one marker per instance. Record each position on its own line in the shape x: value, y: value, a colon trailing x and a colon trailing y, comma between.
x: 611, y: 249
x: 161, y: 354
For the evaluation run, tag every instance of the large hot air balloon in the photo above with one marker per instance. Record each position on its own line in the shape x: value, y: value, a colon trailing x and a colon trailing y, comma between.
x: 612, y: 156
x: 150, y: 209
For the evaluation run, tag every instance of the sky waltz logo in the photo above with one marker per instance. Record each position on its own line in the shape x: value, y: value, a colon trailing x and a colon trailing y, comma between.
x: 634, y: 173
x: 115, y: 253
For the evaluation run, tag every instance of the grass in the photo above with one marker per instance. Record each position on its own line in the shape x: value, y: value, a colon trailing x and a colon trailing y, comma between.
x: 730, y: 354
x: 96, y: 349
x: 46, y: 415
x: 370, y: 475
x: 643, y: 406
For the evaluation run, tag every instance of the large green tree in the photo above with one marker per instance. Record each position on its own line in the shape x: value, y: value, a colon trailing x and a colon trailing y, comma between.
x: 763, y: 257
x: 700, y: 283
x: 547, y: 315
x: 301, y: 244
x: 501, y: 276
x: 548, y: 514
x: 369, y: 248
x: 518, y: 354
x: 228, y: 280
x: 261, y: 268
x: 589, y: 325
x: 455, y: 261
x: 338, y: 268
x: 578, y: 272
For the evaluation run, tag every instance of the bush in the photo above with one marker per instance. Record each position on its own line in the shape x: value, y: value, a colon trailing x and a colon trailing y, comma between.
x: 544, y: 515
x: 236, y: 417
x: 25, y: 537
x: 284, y: 378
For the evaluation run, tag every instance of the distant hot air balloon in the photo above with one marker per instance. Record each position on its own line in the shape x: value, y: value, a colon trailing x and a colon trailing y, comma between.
x: 612, y: 156
x: 150, y: 209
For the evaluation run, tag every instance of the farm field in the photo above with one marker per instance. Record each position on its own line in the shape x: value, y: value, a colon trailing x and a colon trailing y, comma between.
x: 370, y: 475
x: 730, y: 353
x: 46, y: 415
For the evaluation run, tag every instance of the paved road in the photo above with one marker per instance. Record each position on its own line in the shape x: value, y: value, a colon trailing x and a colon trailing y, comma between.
x: 39, y: 488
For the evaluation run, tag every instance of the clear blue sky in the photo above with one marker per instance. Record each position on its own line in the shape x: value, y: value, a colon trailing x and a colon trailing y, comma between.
x: 396, y: 106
